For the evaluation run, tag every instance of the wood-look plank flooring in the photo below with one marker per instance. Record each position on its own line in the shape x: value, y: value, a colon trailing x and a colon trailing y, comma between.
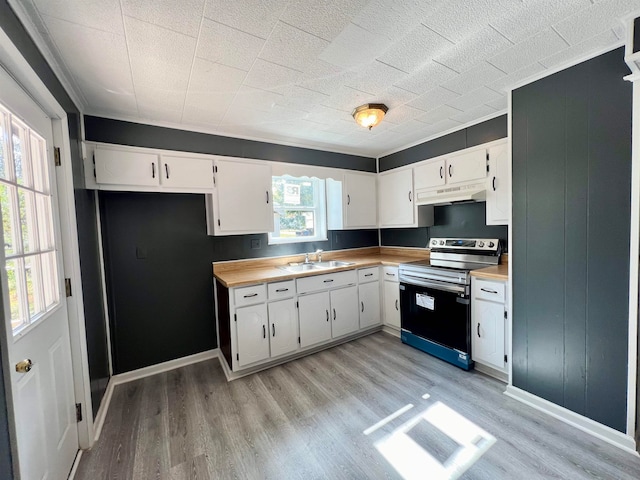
x: 306, y: 419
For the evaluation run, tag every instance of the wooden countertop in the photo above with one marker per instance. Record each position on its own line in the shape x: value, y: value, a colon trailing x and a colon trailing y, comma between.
x: 248, y: 272
x: 499, y: 272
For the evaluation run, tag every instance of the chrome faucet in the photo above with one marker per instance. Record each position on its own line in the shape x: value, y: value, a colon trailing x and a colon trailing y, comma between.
x: 306, y: 258
x: 319, y: 255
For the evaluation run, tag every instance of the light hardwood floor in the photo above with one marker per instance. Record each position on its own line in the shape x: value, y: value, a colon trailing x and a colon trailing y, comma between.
x: 306, y: 419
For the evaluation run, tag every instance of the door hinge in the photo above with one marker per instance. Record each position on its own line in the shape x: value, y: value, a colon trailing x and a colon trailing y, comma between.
x: 56, y: 156
x: 78, y: 412
x: 505, y: 359
x: 67, y: 287
x: 235, y: 317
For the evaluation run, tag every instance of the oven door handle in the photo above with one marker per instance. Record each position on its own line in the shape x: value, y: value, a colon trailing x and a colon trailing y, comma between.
x: 421, y: 282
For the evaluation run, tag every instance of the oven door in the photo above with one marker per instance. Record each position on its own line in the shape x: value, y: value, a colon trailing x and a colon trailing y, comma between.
x: 438, y: 312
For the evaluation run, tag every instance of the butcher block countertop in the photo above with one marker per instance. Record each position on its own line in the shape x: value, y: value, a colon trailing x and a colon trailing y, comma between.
x: 248, y: 272
x: 499, y: 272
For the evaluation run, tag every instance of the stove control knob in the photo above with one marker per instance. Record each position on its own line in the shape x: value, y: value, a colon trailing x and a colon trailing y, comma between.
x: 491, y: 244
x: 434, y: 242
x: 481, y: 244
x: 441, y: 242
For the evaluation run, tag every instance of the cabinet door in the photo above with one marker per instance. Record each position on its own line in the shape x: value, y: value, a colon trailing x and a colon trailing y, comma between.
x: 429, y: 176
x: 119, y: 167
x: 498, y: 186
x: 315, y: 323
x: 467, y: 166
x: 369, y: 304
x: 185, y: 172
x: 396, y: 198
x: 244, y: 203
x: 283, y: 327
x: 251, y: 328
x: 359, y: 197
x: 344, y: 311
x: 488, y: 333
x: 392, y: 304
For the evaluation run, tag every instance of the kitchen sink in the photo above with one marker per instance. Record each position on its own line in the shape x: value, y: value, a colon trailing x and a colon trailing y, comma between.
x: 306, y: 267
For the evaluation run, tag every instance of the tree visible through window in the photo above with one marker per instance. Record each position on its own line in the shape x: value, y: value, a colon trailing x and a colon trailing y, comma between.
x: 299, y: 210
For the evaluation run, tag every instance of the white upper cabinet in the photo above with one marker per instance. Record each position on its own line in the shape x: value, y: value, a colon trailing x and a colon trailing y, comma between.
x: 430, y: 175
x: 361, y: 199
x: 186, y: 172
x: 467, y: 166
x: 396, y: 204
x: 124, y: 167
x: 498, y: 186
x: 352, y: 201
x: 242, y: 200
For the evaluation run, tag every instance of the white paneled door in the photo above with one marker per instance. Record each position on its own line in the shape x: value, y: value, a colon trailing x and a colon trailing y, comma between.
x: 35, y: 310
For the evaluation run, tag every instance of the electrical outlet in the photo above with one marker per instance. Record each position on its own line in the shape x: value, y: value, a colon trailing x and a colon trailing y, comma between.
x: 255, y: 244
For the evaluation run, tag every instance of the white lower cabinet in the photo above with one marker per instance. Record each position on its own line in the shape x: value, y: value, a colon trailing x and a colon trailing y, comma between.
x: 369, y: 294
x: 488, y: 324
x: 391, y: 297
x: 251, y: 330
x: 315, y: 321
x: 283, y: 327
x: 344, y: 310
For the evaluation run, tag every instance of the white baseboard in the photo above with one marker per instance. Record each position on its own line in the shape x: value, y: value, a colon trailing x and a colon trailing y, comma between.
x: 164, y: 367
x: 98, y: 422
x: 598, y: 430
x: 391, y: 330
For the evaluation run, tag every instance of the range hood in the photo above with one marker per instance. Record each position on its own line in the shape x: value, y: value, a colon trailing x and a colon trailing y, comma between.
x: 475, y: 192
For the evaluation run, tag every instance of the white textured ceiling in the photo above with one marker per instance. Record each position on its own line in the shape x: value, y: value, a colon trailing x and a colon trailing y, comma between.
x: 293, y: 70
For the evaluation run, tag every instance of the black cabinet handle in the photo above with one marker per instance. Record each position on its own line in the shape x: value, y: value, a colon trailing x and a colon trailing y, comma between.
x: 449, y: 171
x: 493, y: 184
x: 397, y: 305
x: 334, y: 313
x: 328, y: 281
x: 327, y: 315
x: 264, y: 331
x: 441, y: 167
x: 166, y: 170
x: 362, y: 304
x: 348, y: 199
x: 368, y: 274
x: 488, y: 291
x: 267, y: 192
x: 153, y: 170
x: 273, y: 329
x: 282, y: 290
x: 409, y: 195
x: 251, y: 295
x: 478, y: 329
x: 391, y: 274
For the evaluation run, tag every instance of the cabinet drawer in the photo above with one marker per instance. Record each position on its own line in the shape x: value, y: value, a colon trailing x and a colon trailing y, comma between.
x: 368, y: 274
x: 281, y: 289
x: 487, y: 290
x: 329, y: 280
x: 250, y: 295
x: 390, y: 274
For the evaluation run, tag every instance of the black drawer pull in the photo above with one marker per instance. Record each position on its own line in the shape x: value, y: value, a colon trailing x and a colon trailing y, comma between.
x: 391, y: 274
x: 334, y: 313
x: 488, y: 290
x: 328, y: 281
x: 327, y: 315
x: 478, y: 329
x: 273, y: 329
x: 362, y: 303
x: 368, y: 274
x: 441, y: 172
x: 348, y: 199
x: 282, y: 290
x: 449, y: 171
x: 166, y: 169
x: 153, y: 170
x: 397, y: 305
x: 493, y: 184
x: 251, y: 295
x: 264, y: 331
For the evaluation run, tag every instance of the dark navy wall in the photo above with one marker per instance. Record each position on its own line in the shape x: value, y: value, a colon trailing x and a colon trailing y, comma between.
x: 105, y: 130
x: 158, y: 260
x: 571, y: 227
x: 484, y: 132
x: 460, y: 220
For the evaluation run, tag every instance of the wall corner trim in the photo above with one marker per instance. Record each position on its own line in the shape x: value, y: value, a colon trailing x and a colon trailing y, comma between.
x: 598, y: 430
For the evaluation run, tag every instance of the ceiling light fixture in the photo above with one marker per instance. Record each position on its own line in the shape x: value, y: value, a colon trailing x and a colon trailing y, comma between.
x: 370, y: 114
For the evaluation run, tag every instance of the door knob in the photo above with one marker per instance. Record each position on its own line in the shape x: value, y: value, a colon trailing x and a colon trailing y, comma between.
x: 24, y: 366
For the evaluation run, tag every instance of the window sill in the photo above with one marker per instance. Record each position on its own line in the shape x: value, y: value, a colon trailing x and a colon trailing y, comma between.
x: 285, y: 241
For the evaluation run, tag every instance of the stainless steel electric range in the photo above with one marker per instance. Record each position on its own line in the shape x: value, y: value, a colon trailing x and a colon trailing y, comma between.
x: 435, y: 303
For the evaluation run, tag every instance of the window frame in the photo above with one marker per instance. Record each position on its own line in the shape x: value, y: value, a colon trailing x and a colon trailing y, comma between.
x: 319, y: 209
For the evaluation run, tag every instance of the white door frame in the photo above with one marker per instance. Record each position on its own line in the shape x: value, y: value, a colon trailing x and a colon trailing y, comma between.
x: 13, y: 61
